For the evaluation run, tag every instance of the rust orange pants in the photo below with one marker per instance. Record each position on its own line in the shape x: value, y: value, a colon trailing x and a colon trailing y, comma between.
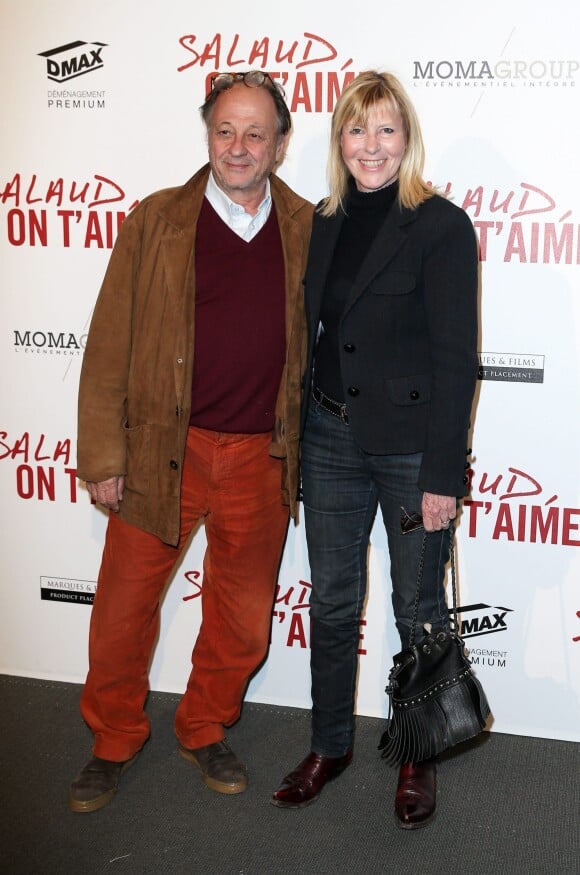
x: 231, y: 483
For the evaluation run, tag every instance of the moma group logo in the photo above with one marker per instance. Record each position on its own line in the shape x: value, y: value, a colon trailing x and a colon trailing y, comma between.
x: 73, y: 60
x: 59, y: 343
x: 511, y: 367
x: 502, y: 73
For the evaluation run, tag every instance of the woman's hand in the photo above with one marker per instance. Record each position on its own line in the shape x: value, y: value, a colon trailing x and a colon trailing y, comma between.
x: 437, y: 511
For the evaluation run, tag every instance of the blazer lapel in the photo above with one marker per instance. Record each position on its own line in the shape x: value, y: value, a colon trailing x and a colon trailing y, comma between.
x: 177, y: 251
x: 292, y: 248
x: 181, y: 214
x: 325, y: 234
x: 389, y: 239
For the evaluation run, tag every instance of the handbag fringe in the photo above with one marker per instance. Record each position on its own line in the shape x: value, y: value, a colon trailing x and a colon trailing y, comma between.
x: 423, y: 727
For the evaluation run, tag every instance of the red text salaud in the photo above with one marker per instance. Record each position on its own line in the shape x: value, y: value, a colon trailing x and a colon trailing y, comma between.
x: 290, y: 62
x: 539, y: 520
x: 290, y: 610
x: 79, y: 217
x: 42, y: 470
x: 522, y: 224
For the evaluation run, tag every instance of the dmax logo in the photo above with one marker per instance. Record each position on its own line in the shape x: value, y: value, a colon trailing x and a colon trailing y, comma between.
x: 483, y: 620
x: 74, y: 59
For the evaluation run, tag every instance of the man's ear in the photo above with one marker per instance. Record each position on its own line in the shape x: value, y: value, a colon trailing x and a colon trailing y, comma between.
x: 281, y: 148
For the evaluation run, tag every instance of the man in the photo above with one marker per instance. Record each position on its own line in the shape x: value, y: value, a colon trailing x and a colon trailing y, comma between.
x: 189, y: 410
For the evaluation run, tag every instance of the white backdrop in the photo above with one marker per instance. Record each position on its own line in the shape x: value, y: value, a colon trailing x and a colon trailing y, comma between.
x: 99, y: 108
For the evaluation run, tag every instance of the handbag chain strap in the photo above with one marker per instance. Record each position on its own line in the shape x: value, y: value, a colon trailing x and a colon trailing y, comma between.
x: 453, y: 623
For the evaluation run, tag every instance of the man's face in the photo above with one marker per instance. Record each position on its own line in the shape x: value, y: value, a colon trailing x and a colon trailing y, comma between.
x: 243, y: 142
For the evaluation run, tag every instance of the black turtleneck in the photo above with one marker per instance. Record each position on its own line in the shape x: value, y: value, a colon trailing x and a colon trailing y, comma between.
x: 365, y: 213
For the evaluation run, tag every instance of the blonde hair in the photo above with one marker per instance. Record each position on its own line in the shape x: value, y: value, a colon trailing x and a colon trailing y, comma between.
x: 353, y: 106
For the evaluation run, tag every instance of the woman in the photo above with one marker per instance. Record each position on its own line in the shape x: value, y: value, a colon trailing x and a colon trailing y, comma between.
x: 391, y: 302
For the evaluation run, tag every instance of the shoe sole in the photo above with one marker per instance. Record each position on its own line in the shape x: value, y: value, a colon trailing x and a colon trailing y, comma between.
x: 402, y: 825
x: 218, y: 786
x: 278, y: 803
x: 95, y: 804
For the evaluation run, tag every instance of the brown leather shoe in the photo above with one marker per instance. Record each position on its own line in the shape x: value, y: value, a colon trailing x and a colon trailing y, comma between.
x: 415, y: 799
x: 96, y: 784
x: 220, y: 768
x: 303, y: 786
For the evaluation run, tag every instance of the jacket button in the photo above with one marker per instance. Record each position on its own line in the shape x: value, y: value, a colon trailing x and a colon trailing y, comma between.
x: 349, y: 347
x: 465, y: 480
x: 353, y: 391
x: 414, y: 395
x: 173, y: 464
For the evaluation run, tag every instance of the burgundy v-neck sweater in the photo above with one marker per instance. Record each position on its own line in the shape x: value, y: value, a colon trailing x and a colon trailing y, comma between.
x: 239, y: 326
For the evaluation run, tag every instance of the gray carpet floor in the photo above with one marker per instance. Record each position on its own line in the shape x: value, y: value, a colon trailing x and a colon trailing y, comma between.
x: 506, y: 804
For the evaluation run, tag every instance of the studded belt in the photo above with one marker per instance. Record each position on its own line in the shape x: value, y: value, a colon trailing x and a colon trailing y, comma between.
x: 337, y: 408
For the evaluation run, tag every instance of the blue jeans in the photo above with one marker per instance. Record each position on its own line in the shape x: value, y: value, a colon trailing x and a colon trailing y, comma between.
x: 342, y: 487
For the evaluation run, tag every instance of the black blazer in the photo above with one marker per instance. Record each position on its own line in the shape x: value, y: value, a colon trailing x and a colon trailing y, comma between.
x: 407, y: 337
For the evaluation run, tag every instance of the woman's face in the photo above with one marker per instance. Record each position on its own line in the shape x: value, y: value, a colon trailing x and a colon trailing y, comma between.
x: 373, y: 152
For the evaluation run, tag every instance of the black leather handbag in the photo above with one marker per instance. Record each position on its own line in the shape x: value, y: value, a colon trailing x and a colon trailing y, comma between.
x: 435, y: 700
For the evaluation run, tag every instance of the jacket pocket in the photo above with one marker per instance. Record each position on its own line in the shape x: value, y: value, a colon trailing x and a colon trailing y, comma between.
x: 409, y: 391
x: 393, y: 282
x: 138, y: 458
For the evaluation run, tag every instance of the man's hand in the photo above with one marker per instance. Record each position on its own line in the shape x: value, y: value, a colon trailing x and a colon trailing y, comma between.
x: 437, y: 510
x: 108, y: 492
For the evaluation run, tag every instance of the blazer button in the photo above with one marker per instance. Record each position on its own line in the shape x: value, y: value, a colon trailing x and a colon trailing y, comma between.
x: 414, y: 395
x: 353, y: 391
x: 173, y: 464
x: 349, y: 347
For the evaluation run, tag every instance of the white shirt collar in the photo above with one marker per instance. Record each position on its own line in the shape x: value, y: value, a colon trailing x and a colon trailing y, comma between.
x: 233, y: 214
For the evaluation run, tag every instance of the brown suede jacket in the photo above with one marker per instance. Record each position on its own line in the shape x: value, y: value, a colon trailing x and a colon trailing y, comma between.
x: 135, y: 385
